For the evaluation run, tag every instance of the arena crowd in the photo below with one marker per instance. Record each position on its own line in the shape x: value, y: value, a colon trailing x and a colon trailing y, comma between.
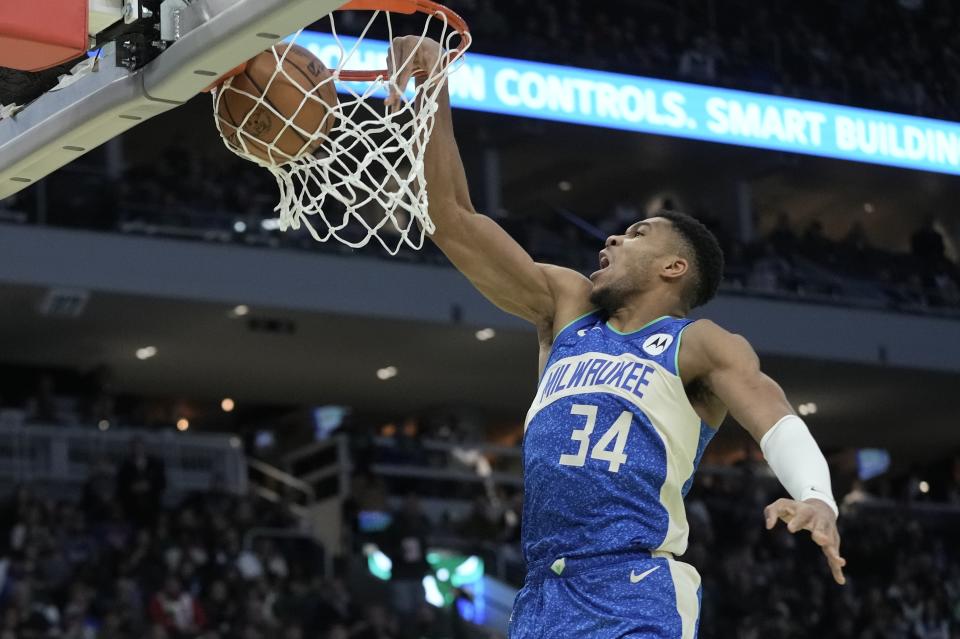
x: 102, y: 566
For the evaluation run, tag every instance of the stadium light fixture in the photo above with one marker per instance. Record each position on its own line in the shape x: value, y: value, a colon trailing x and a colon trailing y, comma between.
x: 387, y: 372
x: 486, y: 333
x: 808, y: 408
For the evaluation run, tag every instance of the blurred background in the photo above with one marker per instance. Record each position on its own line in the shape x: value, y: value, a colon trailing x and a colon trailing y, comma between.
x: 212, y: 429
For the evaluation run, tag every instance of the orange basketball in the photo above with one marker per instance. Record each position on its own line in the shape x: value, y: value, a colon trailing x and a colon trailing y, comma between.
x: 267, y: 133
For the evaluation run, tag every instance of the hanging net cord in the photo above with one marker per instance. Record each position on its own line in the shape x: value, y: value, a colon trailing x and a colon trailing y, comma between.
x: 364, y: 177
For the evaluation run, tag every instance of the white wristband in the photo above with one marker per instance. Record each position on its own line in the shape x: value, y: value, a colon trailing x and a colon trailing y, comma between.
x: 797, y: 462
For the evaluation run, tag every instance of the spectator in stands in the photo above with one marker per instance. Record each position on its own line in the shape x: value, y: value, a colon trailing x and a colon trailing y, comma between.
x: 404, y: 542
x: 927, y: 244
x: 111, y: 627
x: 409, y: 443
x: 953, y: 483
x: 815, y: 244
x: 42, y: 407
x: 782, y: 238
x: 378, y: 623
x: 141, y: 482
x: 222, y: 608
x: 946, y: 289
x: 176, y: 611
x: 337, y: 631
x: 858, y: 494
x: 481, y: 524
x: 127, y: 599
x: 103, y: 400
x: 98, y: 491
x: 855, y: 245
x: 770, y: 272
x: 76, y: 612
x: 699, y: 63
x: 31, y: 613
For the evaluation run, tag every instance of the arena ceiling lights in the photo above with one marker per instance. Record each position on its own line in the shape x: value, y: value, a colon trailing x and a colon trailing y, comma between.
x: 632, y: 103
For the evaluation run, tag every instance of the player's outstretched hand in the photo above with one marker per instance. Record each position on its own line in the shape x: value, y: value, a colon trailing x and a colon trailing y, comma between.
x: 817, y: 517
x: 411, y: 56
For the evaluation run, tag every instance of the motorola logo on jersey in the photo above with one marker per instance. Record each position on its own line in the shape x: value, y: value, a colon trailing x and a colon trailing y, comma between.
x: 656, y: 344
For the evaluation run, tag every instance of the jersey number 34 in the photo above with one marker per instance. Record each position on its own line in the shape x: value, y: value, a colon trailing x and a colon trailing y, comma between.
x: 601, y: 450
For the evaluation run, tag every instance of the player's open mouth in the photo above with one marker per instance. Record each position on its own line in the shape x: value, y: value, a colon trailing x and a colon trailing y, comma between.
x: 604, y: 263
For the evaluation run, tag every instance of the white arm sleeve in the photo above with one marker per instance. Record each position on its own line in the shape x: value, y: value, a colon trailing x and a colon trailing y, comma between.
x: 797, y: 462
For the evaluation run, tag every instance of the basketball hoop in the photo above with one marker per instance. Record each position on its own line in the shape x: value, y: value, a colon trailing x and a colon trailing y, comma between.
x: 361, y: 175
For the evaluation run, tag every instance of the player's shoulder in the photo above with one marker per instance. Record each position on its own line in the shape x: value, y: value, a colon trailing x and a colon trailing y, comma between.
x: 566, y: 279
x: 571, y: 296
x: 704, y: 330
x: 707, y: 329
x: 706, y: 345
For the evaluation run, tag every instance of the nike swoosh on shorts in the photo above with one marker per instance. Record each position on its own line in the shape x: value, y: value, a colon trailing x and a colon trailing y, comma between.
x: 635, y: 578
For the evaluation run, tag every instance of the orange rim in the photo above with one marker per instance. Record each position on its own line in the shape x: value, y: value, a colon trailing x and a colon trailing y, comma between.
x: 408, y: 7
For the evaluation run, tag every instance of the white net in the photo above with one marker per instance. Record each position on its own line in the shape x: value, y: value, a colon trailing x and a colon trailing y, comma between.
x: 349, y: 168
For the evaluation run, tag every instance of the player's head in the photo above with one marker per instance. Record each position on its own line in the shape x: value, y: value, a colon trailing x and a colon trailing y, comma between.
x: 669, y: 253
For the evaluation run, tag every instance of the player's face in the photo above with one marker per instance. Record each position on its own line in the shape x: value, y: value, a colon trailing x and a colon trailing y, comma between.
x: 629, y: 262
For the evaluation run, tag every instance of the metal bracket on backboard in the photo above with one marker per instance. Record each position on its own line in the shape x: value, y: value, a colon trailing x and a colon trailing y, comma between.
x: 132, y: 11
x: 176, y: 20
x: 62, y: 125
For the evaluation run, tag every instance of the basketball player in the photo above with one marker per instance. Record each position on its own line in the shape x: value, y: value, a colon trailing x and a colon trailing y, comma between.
x: 630, y: 394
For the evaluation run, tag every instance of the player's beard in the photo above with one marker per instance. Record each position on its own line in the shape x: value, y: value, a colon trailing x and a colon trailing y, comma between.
x: 615, y: 295
x: 610, y: 297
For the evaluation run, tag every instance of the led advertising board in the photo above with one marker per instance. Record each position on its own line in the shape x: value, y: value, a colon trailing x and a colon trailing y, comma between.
x: 645, y: 105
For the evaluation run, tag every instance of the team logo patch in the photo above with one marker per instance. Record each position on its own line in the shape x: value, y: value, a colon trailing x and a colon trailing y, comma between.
x: 656, y: 344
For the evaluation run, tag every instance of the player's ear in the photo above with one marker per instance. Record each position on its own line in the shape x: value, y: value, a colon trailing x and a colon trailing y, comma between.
x: 675, y: 267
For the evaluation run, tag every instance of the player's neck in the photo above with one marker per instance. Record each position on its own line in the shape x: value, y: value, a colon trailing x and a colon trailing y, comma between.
x: 639, y: 313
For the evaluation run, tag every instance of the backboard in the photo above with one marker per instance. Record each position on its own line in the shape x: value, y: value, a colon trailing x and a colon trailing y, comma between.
x: 201, y: 40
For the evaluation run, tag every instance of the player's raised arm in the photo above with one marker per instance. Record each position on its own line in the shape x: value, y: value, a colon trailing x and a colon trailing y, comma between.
x: 730, y: 368
x: 496, y: 265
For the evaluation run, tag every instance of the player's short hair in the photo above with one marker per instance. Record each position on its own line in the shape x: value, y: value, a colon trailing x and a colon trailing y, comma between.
x: 706, y: 253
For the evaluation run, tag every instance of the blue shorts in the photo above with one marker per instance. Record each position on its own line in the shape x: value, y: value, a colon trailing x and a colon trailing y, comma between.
x: 635, y: 595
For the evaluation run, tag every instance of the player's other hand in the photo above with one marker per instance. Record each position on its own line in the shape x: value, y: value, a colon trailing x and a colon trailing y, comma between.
x: 409, y: 56
x: 817, y: 517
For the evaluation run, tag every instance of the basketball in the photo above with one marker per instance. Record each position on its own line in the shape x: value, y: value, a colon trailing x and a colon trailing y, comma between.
x: 296, y: 106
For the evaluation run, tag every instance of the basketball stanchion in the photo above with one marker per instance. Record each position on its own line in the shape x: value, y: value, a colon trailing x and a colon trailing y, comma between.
x: 347, y: 167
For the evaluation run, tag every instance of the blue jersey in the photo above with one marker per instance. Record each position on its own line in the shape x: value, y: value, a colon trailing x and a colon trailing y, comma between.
x: 611, y: 444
